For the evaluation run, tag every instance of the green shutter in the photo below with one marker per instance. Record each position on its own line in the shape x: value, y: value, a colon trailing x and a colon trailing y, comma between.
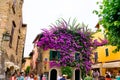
x: 107, y: 53
x: 50, y: 55
x: 75, y: 56
x: 58, y: 54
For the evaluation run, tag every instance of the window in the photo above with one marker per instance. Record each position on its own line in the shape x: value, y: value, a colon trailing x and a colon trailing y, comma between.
x: 96, y: 57
x: 17, y: 45
x: 13, y: 6
x: 106, y: 51
x: 12, y: 33
x: 77, y: 58
x: 54, y: 55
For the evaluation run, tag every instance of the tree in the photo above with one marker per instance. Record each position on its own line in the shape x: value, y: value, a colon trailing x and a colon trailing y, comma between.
x: 110, y: 14
x: 27, y: 70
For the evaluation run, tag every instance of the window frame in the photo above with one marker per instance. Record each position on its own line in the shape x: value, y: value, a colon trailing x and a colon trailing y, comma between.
x: 56, y: 53
x: 106, y: 52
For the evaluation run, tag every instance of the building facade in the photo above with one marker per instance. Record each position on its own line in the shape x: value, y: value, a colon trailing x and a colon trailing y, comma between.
x: 11, y: 24
x: 40, y: 63
x: 25, y: 64
x: 105, y: 60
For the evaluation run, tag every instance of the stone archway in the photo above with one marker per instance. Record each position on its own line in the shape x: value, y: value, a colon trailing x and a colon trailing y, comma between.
x: 77, y: 74
x: 53, y: 74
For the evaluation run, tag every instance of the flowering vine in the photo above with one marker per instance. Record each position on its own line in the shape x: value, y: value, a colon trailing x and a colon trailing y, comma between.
x: 70, y: 39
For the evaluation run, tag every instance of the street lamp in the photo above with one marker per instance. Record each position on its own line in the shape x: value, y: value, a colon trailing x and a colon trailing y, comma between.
x: 5, y: 37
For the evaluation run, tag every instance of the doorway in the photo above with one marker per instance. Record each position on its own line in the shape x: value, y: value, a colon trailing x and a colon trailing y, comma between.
x: 53, y: 74
x: 77, y: 74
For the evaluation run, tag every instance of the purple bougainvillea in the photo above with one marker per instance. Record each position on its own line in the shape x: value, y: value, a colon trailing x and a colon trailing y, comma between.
x: 70, y: 39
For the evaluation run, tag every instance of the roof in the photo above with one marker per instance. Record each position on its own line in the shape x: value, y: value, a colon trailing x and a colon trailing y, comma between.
x: 37, y: 37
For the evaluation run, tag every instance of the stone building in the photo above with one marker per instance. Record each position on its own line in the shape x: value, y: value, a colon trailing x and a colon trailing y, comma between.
x: 12, y: 29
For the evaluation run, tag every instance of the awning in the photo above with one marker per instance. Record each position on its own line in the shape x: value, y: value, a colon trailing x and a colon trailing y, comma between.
x: 9, y: 64
x: 111, y: 65
x: 98, y: 65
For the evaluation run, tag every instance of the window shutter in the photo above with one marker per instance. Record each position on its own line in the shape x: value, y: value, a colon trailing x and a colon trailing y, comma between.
x: 50, y: 55
x: 75, y: 56
x: 58, y: 54
x: 107, y: 53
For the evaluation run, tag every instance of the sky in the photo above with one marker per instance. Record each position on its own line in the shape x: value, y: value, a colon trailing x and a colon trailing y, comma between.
x: 39, y: 14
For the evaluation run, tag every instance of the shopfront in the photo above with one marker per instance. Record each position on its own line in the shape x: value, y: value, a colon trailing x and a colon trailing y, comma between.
x: 98, y: 67
x: 112, y: 67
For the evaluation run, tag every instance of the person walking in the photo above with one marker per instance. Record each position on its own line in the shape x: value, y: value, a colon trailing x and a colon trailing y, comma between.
x: 20, y: 76
x: 32, y: 77
x: 95, y: 75
x: 59, y: 76
x: 63, y: 77
x: 13, y: 77
x: 27, y: 77
x: 44, y: 78
x: 118, y: 76
x: 108, y: 77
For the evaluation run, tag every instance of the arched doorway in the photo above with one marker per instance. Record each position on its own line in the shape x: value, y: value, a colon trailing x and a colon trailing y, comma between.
x: 77, y: 74
x: 53, y: 74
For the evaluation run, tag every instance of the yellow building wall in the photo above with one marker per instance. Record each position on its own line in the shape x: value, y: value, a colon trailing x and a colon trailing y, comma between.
x: 102, y: 53
x: 27, y: 63
x: 101, y: 50
x: 45, y: 55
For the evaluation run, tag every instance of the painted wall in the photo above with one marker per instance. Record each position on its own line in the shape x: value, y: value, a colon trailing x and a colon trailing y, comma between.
x: 45, y: 55
x: 102, y: 53
x: 27, y: 63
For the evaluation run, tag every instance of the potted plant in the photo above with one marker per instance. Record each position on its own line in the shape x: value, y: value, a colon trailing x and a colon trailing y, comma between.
x: 67, y: 71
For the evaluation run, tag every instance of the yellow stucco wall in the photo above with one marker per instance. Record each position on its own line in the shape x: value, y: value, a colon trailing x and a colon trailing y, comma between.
x: 27, y: 63
x: 102, y: 54
x: 101, y: 50
x: 45, y: 54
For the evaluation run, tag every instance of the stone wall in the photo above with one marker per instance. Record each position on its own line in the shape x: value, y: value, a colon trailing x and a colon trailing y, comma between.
x: 11, y: 17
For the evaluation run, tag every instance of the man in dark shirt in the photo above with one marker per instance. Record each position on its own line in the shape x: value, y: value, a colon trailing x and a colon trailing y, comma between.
x: 63, y: 78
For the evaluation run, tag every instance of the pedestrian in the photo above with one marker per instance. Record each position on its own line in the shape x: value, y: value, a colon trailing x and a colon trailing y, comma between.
x: 118, y: 76
x: 101, y: 78
x: 27, y: 77
x: 88, y: 77
x: 36, y: 77
x: 41, y: 76
x: 20, y: 76
x: 13, y: 77
x: 31, y: 77
x: 108, y: 77
x: 63, y: 77
x: 59, y: 76
x: 95, y: 75
x: 44, y: 77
